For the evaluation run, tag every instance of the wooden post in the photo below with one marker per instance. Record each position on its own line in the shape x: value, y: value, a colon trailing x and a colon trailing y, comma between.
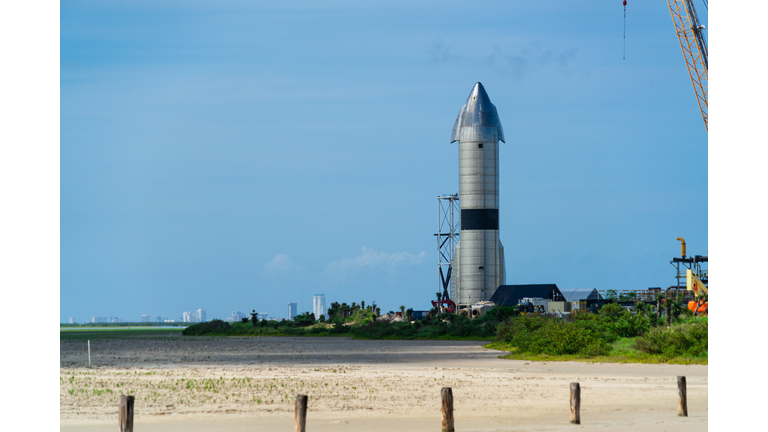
x: 300, y: 414
x: 682, y: 397
x: 125, y: 413
x: 89, y: 353
x: 447, y: 409
x: 575, y: 403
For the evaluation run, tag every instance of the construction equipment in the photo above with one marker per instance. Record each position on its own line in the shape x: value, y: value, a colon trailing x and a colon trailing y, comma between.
x: 532, y: 304
x: 444, y: 305
x: 689, y: 32
x: 700, y: 306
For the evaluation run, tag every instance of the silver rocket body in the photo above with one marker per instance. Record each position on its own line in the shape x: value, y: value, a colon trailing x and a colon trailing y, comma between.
x: 479, y: 259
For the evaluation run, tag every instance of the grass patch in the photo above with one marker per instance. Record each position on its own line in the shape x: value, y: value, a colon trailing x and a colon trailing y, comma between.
x: 622, y: 351
x: 117, y: 333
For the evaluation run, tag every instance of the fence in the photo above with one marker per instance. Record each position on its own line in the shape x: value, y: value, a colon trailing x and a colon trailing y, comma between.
x: 648, y: 296
x: 125, y: 408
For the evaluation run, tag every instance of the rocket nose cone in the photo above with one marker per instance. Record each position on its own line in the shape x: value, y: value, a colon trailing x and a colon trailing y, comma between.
x: 478, y: 99
x: 477, y: 112
x: 478, y: 91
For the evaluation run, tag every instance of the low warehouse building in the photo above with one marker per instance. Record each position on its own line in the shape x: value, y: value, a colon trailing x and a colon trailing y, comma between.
x: 582, y: 299
x: 511, y: 295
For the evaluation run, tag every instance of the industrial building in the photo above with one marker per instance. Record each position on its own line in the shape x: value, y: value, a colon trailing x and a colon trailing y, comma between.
x: 543, y: 297
x: 582, y: 299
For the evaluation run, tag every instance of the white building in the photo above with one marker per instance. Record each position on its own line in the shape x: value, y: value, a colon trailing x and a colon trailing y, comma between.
x: 201, y: 315
x: 145, y: 318
x: 237, y: 316
x: 292, y: 310
x: 71, y: 320
x: 318, y: 306
x: 186, y: 317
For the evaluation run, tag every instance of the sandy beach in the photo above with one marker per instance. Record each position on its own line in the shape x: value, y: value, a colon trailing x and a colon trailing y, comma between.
x: 249, y: 384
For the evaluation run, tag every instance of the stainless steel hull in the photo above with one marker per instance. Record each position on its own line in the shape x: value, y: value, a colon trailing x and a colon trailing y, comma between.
x: 479, y: 266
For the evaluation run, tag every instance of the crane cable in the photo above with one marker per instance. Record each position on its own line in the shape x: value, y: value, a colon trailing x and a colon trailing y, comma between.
x: 624, y: 55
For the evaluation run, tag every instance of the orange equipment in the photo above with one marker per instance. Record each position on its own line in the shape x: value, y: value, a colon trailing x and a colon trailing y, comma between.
x: 699, y: 307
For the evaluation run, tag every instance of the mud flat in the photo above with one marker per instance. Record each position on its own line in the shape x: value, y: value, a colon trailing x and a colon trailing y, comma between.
x: 248, y: 384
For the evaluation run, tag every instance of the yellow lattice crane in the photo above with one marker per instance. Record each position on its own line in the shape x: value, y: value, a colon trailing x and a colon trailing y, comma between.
x: 689, y: 32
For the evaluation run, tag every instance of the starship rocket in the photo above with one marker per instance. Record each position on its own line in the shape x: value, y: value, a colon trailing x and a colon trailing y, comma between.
x: 479, y: 257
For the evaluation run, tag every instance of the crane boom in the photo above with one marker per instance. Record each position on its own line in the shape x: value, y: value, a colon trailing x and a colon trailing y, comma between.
x: 689, y: 32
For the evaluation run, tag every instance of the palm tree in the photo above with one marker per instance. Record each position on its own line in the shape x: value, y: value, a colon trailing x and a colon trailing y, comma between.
x: 402, y: 311
x: 659, y: 298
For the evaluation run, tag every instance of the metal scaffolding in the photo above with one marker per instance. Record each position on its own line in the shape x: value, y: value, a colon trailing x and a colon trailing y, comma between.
x: 448, y: 228
x: 690, y: 263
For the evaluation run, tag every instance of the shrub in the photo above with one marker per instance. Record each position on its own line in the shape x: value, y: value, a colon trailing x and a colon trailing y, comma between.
x: 687, y: 339
x: 552, y: 336
x: 213, y: 326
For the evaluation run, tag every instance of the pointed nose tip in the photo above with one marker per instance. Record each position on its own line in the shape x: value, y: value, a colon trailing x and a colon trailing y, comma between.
x: 478, y: 90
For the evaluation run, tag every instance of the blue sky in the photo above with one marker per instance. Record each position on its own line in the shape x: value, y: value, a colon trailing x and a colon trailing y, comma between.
x: 232, y: 156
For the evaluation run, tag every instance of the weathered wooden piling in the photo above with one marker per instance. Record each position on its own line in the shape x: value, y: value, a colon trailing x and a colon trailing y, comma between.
x: 682, y: 397
x: 575, y: 403
x: 125, y: 413
x: 300, y: 414
x: 447, y: 409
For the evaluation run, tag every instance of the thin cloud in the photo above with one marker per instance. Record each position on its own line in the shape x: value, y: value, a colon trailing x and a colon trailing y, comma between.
x: 517, y: 63
x: 282, y: 263
x: 371, y: 258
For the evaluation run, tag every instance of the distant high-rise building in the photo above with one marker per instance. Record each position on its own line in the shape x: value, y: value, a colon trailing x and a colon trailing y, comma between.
x: 318, y: 305
x: 201, y: 315
x: 263, y: 316
x: 237, y: 316
x: 292, y: 310
x: 71, y: 320
x: 145, y: 318
x: 158, y: 319
x: 186, y: 317
x: 98, y: 319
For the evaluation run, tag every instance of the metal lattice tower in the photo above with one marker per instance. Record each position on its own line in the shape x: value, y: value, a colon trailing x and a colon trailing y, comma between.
x: 689, y: 32
x: 448, y: 228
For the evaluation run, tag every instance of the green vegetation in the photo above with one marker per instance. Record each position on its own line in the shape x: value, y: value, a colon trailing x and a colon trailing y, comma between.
x: 360, y: 323
x: 122, y: 324
x: 687, y: 339
x: 118, y: 333
x: 614, y: 334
